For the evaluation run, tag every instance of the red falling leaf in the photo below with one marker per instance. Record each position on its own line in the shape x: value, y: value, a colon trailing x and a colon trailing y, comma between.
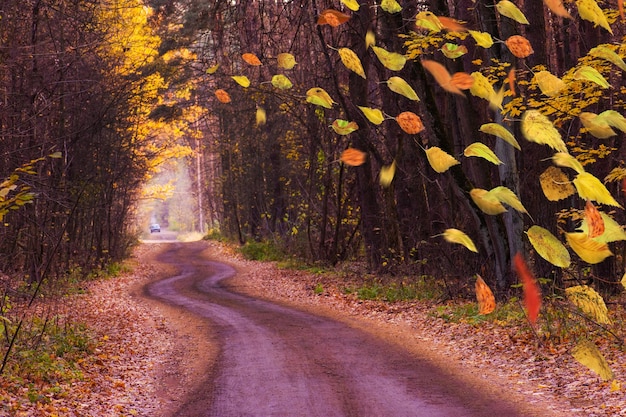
x: 594, y: 220
x: 620, y: 7
x: 511, y: 79
x: 532, y: 293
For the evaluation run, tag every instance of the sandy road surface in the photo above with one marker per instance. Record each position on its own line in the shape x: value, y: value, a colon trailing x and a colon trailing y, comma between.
x: 277, y: 361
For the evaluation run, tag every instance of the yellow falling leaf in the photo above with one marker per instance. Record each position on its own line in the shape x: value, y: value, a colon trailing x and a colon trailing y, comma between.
x: 391, y: 60
x: 353, y: 157
x: 508, y: 197
x: 484, y: 296
x: 564, y: 159
x: 501, y: 132
x: 351, y: 61
x: 595, y: 126
x: 613, y: 232
x: 486, y: 202
x: 588, y: 354
x: 589, y: 250
x: 457, y: 236
x: 556, y: 7
x: 251, y: 59
x: 390, y: 6
x: 587, y: 73
x: 439, y: 159
x: 428, y: 20
x: 539, y: 129
x: 319, y: 97
x: 387, y: 173
x: 589, y: 302
x: 590, y: 11
x: 483, y: 88
x: 441, y: 75
x: 373, y: 115
x: 483, y: 39
x: 351, y: 4
x: 261, y: 117
x: 410, y: 122
x: 590, y: 188
x: 510, y: 10
x: 281, y: 81
x: 549, y: 84
x: 370, y: 39
x: 623, y: 281
x: 242, y: 80
x: 481, y: 150
x: 605, y: 52
x: 213, y: 69
x: 612, y: 118
x: 548, y: 246
x: 286, y: 60
x: 398, y: 85
x: 555, y: 184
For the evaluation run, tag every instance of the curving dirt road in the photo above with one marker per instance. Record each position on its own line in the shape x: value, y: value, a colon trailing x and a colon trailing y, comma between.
x: 277, y: 361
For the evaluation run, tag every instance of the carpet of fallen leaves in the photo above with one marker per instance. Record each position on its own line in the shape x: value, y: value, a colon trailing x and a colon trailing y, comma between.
x: 139, y: 345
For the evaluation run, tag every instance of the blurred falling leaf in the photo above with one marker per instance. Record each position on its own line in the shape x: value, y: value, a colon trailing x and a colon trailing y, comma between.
x: 242, y: 80
x: 519, y: 46
x: 391, y: 60
x: 548, y: 246
x: 370, y: 39
x: 508, y: 197
x: 532, y: 292
x: 594, y: 220
x: 486, y: 202
x: 351, y: 61
x: 588, y: 354
x: 590, y: 11
x: 599, y: 125
x: 427, y: 20
x: 452, y: 24
x: 282, y: 82
x: 390, y: 6
x: 332, y: 17
x: 483, y: 39
x: 261, y: 117
x: 373, y: 115
x: 590, y: 188
x: 410, y: 122
x: 510, y: 10
x: 387, y: 173
x: 605, y: 52
x: 549, y: 84
x: 462, y: 80
x: 439, y: 159
x: 556, y: 7
x: 623, y: 281
x: 539, y: 129
x: 213, y: 69
x: 457, y: 236
x: 482, y: 88
x: 251, y: 59
x: 441, y: 75
x: 613, y: 232
x: 588, y: 73
x: 589, y: 302
x: 344, y: 127
x: 510, y: 78
x: 351, y: 4
x: 481, y: 150
x: 564, y: 159
x: 555, y: 184
x: 453, y: 51
x: 589, y: 250
x: 353, y: 157
x: 398, y: 85
x: 484, y: 295
x: 501, y: 132
x: 286, y: 60
x: 319, y: 97
x: 222, y: 96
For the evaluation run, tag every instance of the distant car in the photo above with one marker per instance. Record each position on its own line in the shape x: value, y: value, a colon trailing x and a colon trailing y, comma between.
x: 155, y: 228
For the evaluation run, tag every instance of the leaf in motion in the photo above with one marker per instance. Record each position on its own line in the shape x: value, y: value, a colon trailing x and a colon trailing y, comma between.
x: 532, y: 292
x: 548, y: 246
x: 462, y: 80
x: 351, y: 61
x: 589, y: 250
x: 539, y: 129
x: 481, y: 150
x: 623, y: 281
x: 344, y: 127
x: 441, y: 75
x: 588, y: 354
x: 482, y: 88
x: 427, y: 20
x: 501, y: 132
x: 319, y: 97
x: 590, y: 188
x: 563, y: 159
x: 373, y: 115
x: 261, y: 117
x: 589, y: 302
x: 549, y: 84
x: 242, y: 80
x: 519, y: 46
x: 453, y: 51
x: 387, y: 173
x: 457, y: 236
x: 286, y: 60
x: 439, y: 159
x: 351, y: 4
x: 486, y: 202
x: 590, y: 11
x: 555, y: 184
x: 213, y: 69
x: 222, y: 96
x: 599, y: 125
x: 251, y: 59
x: 370, y: 39
x: 410, y: 122
x: 484, y: 295
x: 556, y: 7
x: 483, y: 39
x: 595, y: 223
x: 510, y: 78
x: 605, y: 52
x: 588, y: 73
x: 332, y: 18
x: 390, y: 6
x: 452, y: 24
x: 398, y: 85
x: 353, y: 157
x: 613, y: 232
x: 391, y: 60
x: 510, y: 10
x: 281, y: 81
x: 508, y: 197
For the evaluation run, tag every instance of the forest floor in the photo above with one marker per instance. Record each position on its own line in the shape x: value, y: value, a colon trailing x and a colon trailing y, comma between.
x: 149, y: 356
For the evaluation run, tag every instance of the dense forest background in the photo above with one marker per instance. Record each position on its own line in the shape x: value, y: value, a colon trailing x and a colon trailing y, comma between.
x: 100, y: 98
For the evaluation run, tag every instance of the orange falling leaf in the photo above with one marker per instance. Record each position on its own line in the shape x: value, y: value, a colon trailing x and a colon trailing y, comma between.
x: 222, y: 96
x: 532, y: 293
x: 441, y: 75
x: 451, y: 24
x: 462, y: 80
x: 353, y: 157
x: 519, y: 46
x: 410, y: 122
x: 511, y: 79
x: 251, y: 59
x: 620, y: 7
x: 594, y: 220
x: 332, y: 17
x: 486, y: 300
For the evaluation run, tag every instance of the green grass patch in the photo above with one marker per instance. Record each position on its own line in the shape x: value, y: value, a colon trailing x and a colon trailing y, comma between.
x: 422, y: 288
x: 261, y: 251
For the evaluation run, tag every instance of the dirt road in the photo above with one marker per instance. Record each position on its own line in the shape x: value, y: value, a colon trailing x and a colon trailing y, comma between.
x: 277, y: 361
